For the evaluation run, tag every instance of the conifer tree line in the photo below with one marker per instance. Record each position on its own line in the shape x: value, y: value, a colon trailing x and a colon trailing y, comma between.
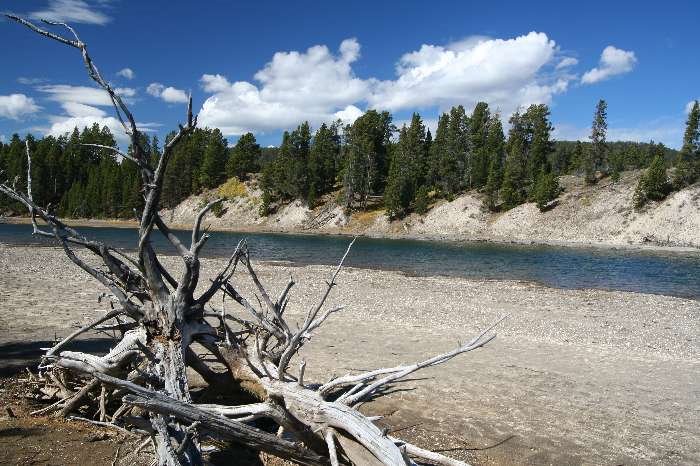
x: 78, y: 180
x: 368, y: 163
x: 74, y: 179
x: 655, y: 184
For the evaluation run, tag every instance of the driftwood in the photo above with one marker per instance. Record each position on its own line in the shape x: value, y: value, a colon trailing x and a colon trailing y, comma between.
x: 142, y: 385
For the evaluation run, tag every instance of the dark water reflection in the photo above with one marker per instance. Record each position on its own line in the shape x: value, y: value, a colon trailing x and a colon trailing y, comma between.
x: 669, y: 273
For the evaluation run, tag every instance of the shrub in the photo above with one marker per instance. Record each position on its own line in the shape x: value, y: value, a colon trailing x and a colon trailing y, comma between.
x: 311, y: 196
x: 546, y: 189
x: 397, y: 197
x: 684, y: 175
x: 264, y: 209
x: 653, y: 184
x: 421, y: 202
x: 218, y: 210
x: 232, y: 188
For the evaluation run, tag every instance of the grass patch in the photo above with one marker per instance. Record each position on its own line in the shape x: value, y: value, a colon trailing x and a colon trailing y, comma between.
x: 366, y: 217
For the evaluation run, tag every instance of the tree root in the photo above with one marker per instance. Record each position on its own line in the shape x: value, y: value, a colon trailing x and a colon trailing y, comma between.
x: 141, y: 385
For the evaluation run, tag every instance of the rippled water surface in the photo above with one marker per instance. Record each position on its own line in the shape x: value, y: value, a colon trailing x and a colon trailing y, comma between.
x: 670, y: 273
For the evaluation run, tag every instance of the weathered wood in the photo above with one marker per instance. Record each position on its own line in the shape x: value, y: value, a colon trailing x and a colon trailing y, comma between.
x: 236, y: 431
x: 422, y: 453
x: 310, y: 408
x: 77, y: 400
x: 329, y: 436
x: 155, y: 348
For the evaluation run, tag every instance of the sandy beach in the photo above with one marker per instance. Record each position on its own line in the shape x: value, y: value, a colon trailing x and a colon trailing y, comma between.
x: 574, y: 377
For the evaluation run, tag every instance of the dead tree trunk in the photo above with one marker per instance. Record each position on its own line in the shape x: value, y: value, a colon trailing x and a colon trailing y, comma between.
x: 141, y: 384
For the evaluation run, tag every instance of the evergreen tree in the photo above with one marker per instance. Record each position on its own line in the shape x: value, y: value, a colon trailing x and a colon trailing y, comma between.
x: 653, y: 184
x: 453, y: 162
x: 187, y: 172
x: 300, y: 140
x: 495, y: 148
x: 17, y: 162
x: 405, y: 172
x: 132, y: 198
x: 322, y: 168
x: 578, y: 158
x: 438, y: 151
x: 688, y: 160
x: 213, y: 169
x: 514, y: 176
x: 426, y: 155
x: 617, y: 165
x: 479, y: 156
x: 366, y: 162
x: 422, y: 201
x: 244, y: 157
x: 73, y: 202
x: 286, y: 177
x: 538, y: 145
x: 597, y: 155
x: 546, y: 189
x: 154, y: 153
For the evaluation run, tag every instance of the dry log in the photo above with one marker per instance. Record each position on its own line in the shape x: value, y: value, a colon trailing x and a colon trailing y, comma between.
x: 145, y: 374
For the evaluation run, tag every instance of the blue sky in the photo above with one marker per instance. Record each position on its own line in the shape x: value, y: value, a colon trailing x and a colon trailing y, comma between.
x: 266, y: 66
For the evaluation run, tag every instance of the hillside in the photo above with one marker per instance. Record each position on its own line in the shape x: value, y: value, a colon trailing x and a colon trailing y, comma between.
x: 600, y: 214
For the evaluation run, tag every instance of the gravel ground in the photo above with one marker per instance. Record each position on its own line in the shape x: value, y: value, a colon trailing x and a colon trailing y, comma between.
x: 574, y: 377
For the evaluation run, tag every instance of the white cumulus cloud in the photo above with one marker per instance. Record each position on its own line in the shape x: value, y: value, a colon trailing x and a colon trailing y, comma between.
x: 320, y: 85
x: 61, y: 125
x: 214, y: 83
x: 71, y: 11
x: 82, y: 107
x: 168, y: 94
x: 348, y: 115
x: 127, y: 73
x: 613, y: 61
x: 17, y: 106
x: 294, y: 86
x: 504, y: 73
x: 689, y: 105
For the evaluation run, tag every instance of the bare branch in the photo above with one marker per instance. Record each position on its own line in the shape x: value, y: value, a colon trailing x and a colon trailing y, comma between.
x: 278, y: 320
x: 155, y: 349
x: 164, y: 405
x: 51, y: 35
x: 171, y: 237
x: 436, y: 458
x: 302, y: 367
x: 139, y: 163
x: 194, y: 245
x: 224, y: 276
x: 296, y: 341
x: 72, y: 336
x: 329, y: 436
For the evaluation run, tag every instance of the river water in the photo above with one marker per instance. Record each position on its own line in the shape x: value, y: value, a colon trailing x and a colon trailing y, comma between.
x: 669, y: 273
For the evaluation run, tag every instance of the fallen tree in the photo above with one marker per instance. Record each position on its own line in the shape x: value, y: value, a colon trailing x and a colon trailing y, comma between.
x: 141, y: 385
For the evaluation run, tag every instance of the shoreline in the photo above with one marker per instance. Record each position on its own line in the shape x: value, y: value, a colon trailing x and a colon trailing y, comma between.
x: 574, y: 376
x: 443, y: 238
x: 397, y: 271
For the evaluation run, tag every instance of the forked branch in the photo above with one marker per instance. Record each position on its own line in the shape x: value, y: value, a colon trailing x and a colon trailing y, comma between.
x: 147, y: 367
